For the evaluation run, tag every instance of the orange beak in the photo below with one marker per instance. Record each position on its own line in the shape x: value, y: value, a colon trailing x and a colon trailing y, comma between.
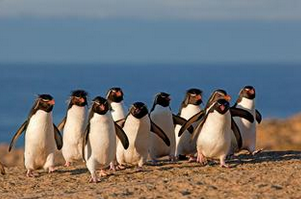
x: 81, y: 100
x: 198, y: 97
x: 51, y: 102
x: 118, y: 94
x: 228, y: 98
x: 252, y: 91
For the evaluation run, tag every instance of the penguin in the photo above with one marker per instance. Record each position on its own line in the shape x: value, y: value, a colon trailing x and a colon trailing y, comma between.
x: 74, y: 124
x: 214, y: 133
x: 234, y: 111
x: 2, y: 169
x: 163, y: 117
x: 115, y: 99
x: 42, y: 137
x: 138, y: 127
x: 189, y: 107
x: 246, y: 101
x: 99, y: 143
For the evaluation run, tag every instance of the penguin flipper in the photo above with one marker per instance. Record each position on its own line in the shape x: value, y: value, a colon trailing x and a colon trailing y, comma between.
x: 236, y: 132
x: 258, y: 116
x: 181, y: 121
x: 199, y: 127
x: 58, y: 138
x: 193, y: 119
x: 238, y: 112
x: 122, y: 136
x: 62, y: 124
x: 17, y: 135
x: 85, y: 140
x: 157, y: 130
x: 120, y: 122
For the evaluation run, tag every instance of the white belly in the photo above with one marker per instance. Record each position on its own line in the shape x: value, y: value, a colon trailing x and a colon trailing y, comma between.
x: 247, y: 129
x: 137, y: 131
x: 73, y: 133
x: 101, y: 145
x: 118, y: 112
x: 215, y: 137
x: 162, y: 116
x: 184, y: 145
x: 39, y: 140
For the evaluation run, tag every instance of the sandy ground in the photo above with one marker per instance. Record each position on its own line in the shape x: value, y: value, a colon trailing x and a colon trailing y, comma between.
x: 273, y: 173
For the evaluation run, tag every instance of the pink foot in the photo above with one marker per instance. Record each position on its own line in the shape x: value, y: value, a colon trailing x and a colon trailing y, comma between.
x: 94, y: 180
x: 102, y: 173
x: 222, y: 162
x: 67, y: 164
x: 113, y: 167
x: 51, y: 169
x: 201, y: 159
x: 257, y: 151
x: 30, y: 174
x: 192, y: 159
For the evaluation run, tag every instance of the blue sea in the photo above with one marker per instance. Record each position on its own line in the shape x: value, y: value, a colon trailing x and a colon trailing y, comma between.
x: 277, y: 86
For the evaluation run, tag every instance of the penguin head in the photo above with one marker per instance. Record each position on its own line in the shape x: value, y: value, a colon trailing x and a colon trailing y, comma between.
x: 100, y: 105
x: 115, y: 94
x: 162, y: 99
x: 247, y: 92
x: 216, y: 95
x: 79, y: 98
x: 193, y: 96
x: 44, y: 102
x: 221, y: 106
x: 138, y: 110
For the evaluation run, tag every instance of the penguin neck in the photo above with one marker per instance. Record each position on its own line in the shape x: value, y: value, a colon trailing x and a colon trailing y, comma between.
x: 245, y: 103
x: 118, y: 112
x: 77, y: 111
x: 159, y: 108
x: 98, y: 117
x: 42, y: 116
x: 217, y: 120
x: 190, y: 110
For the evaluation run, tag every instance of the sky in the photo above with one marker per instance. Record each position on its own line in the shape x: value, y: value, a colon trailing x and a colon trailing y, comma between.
x: 153, y: 31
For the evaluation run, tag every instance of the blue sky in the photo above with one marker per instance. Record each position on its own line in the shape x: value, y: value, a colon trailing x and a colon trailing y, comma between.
x: 157, y: 31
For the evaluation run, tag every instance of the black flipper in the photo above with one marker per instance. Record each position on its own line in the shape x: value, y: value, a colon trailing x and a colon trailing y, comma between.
x: 62, y: 124
x: 17, y: 135
x: 157, y: 130
x: 236, y: 132
x: 193, y: 119
x: 181, y: 121
x: 258, y: 116
x: 58, y: 138
x: 122, y: 136
x: 85, y: 140
x: 120, y: 122
x: 238, y: 112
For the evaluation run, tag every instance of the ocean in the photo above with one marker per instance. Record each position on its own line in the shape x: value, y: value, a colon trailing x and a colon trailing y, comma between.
x: 278, y: 93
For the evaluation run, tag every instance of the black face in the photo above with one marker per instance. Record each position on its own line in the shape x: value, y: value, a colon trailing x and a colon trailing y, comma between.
x: 162, y: 99
x: 216, y: 95
x: 247, y: 92
x: 79, y: 98
x: 44, y: 102
x: 193, y: 96
x: 221, y: 106
x: 138, y: 110
x: 115, y: 95
x: 100, y: 105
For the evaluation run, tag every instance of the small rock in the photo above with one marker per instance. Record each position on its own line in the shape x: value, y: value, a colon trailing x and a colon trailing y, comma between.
x: 185, y: 192
x: 277, y: 187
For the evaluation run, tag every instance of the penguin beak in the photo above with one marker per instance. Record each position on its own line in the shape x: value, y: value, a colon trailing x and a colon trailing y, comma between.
x: 51, y: 102
x: 228, y: 98
x: 118, y: 94
x: 81, y: 100
x: 198, y: 97
x: 252, y: 91
x: 222, y: 107
x: 102, y: 107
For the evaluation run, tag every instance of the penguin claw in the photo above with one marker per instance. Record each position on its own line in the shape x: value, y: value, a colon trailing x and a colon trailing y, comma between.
x: 225, y: 166
x: 51, y: 170
x: 102, y: 173
x: 192, y: 159
x: 30, y: 174
x: 67, y: 164
x: 94, y: 180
